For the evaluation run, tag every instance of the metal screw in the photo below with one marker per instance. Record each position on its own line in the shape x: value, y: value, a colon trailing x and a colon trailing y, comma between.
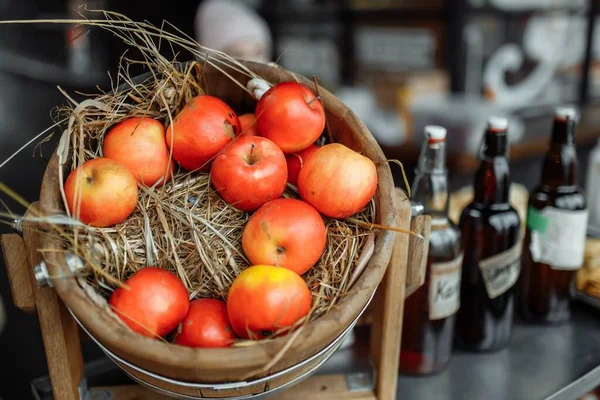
x: 416, y: 209
x: 40, y: 272
x: 17, y: 225
x: 42, y: 277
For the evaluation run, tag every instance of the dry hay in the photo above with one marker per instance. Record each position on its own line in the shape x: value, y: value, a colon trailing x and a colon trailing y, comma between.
x: 188, y: 228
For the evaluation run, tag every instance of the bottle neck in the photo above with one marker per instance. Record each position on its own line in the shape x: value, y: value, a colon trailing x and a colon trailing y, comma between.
x: 560, y: 163
x: 495, y: 145
x: 563, y: 132
x: 492, y: 181
x: 430, y: 187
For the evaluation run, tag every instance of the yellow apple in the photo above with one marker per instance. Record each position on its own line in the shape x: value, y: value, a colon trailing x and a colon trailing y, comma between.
x: 101, y: 192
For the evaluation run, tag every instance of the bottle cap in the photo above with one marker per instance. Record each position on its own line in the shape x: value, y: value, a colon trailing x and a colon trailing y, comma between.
x: 499, y: 124
x: 565, y: 112
x: 435, y: 133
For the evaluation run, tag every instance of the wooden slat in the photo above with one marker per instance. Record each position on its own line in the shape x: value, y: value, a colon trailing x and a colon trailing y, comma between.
x: 386, y: 329
x: 323, y: 387
x: 17, y: 269
x: 377, y: 322
x: 418, y: 249
x: 59, y: 331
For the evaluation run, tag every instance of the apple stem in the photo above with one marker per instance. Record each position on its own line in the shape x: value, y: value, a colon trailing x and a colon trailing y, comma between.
x: 251, y: 158
x: 299, y: 159
x: 318, y: 97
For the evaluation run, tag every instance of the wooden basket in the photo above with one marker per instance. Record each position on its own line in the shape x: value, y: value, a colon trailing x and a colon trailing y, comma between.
x: 169, y: 367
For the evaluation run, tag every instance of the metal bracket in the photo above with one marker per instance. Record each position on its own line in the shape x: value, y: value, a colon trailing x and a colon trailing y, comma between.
x: 17, y: 226
x: 359, y: 382
x: 82, y: 388
x: 42, y: 277
x: 40, y: 271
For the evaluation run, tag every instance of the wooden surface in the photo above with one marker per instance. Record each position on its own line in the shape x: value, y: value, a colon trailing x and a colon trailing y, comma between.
x: 418, y: 249
x: 17, y: 269
x: 125, y: 392
x: 386, y: 328
x: 59, y: 331
x: 207, y: 365
x: 323, y: 387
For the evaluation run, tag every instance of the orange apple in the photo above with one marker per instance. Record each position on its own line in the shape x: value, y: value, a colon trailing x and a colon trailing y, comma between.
x: 201, y: 130
x: 266, y: 300
x: 139, y: 144
x: 249, y: 172
x: 287, y: 233
x: 248, y: 123
x: 337, y: 181
x: 101, y: 192
x: 296, y: 161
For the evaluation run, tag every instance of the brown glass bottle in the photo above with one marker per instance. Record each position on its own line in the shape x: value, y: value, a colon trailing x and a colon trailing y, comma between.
x: 490, y: 229
x: 429, y: 312
x: 556, y: 230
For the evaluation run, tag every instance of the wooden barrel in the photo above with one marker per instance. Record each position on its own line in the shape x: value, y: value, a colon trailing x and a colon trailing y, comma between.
x: 175, y: 369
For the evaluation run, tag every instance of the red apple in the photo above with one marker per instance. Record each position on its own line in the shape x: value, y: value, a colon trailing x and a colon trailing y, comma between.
x: 295, y: 162
x: 290, y: 115
x: 101, y: 192
x: 152, y: 302
x: 139, y: 144
x: 337, y: 181
x: 206, y: 325
x: 201, y: 130
x: 287, y: 233
x: 249, y: 172
x: 248, y: 123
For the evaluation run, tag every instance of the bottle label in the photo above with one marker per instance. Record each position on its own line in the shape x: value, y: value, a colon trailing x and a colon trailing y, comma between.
x: 444, y: 288
x: 501, y: 271
x: 557, y: 236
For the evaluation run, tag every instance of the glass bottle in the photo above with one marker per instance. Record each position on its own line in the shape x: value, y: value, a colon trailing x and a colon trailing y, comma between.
x: 490, y: 229
x: 430, y: 311
x: 556, y: 229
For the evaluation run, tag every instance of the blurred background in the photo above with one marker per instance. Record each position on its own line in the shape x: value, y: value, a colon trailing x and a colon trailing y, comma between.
x: 398, y: 64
